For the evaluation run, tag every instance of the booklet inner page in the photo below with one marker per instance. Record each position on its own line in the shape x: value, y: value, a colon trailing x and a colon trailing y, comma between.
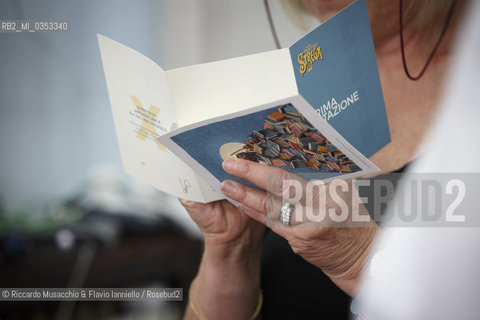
x: 142, y: 111
x: 219, y: 88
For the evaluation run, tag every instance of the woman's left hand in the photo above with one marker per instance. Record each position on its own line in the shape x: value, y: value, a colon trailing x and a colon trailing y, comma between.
x: 332, y: 230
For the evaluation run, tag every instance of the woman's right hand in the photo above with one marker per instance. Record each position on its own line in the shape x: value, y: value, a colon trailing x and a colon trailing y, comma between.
x: 228, y: 280
x: 224, y: 226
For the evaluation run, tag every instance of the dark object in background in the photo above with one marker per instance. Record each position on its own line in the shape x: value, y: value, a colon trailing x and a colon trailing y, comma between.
x: 136, y: 252
x: 295, y: 289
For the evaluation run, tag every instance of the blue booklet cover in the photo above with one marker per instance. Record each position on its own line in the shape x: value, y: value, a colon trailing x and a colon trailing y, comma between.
x: 336, y: 72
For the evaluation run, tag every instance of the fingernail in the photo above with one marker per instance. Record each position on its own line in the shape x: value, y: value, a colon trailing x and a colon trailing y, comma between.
x: 186, y: 203
x: 228, y: 187
x: 229, y: 165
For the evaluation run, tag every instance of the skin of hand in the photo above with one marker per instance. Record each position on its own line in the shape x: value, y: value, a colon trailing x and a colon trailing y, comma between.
x: 335, y: 243
x: 228, y: 281
x: 224, y: 226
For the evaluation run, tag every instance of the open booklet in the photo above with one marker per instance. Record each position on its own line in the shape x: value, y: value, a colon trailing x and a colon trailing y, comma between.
x: 315, y: 109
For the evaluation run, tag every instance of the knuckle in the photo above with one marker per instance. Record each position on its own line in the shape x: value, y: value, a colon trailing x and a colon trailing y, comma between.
x: 245, y: 169
x: 264, y: 203
x: 277, y: 180
x: 269, y: 205
x: 309, y: 233
x: 242, y: 194
x: 299, y: 246
x: 316, y: 197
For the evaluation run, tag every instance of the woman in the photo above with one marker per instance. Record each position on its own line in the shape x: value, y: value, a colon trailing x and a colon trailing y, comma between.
x: 230, y: 278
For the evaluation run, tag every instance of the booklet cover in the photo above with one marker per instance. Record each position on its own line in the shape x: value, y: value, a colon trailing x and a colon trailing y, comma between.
x: 315, y: 109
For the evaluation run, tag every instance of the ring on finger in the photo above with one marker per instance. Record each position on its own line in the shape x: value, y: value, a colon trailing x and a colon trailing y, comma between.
x: 286, y: 213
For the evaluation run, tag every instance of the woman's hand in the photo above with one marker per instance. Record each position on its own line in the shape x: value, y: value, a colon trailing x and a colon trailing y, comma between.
x: 322, y: 228
x: 224, y: 226
x: 228, y: 281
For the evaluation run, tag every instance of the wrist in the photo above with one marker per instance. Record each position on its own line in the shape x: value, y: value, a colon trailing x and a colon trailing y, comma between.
x: 348, y: 274
x: 227, y: 283
x: 245, y: 248
x: 231, y: 254
x: 234, y: 264
x: 231, y: 264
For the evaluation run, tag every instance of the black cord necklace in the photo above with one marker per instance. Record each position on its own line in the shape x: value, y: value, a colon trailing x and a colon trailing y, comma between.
x: 270, y: 23
x: 402, y: 47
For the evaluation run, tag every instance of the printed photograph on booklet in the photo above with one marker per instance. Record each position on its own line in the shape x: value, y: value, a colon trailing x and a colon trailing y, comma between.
x: 288, y: 134
x: 286, y: 139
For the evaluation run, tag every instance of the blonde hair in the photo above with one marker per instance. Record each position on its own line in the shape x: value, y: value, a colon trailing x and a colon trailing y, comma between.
x: 422, y: 12
x: 296, y: 12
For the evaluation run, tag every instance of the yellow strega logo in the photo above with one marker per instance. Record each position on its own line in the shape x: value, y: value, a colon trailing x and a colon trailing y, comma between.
x: 310, y: 54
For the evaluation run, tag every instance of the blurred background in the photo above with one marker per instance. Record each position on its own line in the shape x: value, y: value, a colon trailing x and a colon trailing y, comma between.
x: 69, y: 216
